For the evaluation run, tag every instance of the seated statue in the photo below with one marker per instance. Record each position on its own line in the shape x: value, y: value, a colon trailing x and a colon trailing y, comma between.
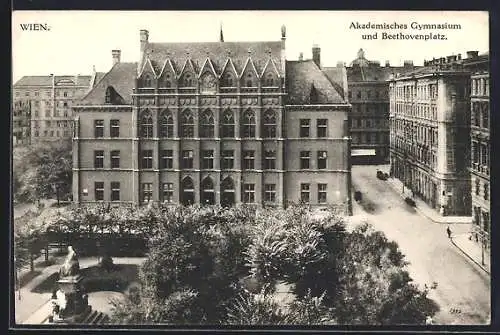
x: 71, y: 267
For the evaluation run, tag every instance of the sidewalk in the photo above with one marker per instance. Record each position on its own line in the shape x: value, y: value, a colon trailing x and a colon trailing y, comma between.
x: 423, y: 208
x: 472, y: 250
x: 31, y: 302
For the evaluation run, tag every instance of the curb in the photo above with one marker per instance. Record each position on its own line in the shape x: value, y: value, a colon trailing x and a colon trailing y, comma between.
x: 422, y: 212
x: 468, y: 256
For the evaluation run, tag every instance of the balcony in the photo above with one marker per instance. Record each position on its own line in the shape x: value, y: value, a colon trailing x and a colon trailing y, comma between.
x: 249, y: 89
x: 165, y: 90
x: 228, y: 90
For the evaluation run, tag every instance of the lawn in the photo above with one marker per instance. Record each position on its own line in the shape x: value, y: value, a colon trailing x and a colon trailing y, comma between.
x: 97, y: 279
x: 27, y: 277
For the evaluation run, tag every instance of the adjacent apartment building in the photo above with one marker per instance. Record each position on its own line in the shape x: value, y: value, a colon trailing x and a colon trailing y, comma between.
x: 21, y: 116
x: 368, y: 93
x: 478, y: 66
x: 430, y: 134
x: 214, y: 123
x: 51, y: 98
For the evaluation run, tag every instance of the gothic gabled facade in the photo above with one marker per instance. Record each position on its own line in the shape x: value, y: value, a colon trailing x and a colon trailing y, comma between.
x: 214, y: 123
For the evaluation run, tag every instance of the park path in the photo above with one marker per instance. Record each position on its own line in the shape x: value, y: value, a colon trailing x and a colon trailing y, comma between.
x: 31, y: 302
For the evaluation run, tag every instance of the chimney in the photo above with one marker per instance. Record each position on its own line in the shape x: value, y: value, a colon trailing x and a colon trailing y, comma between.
x: 116, y: 56
x: 316, y: 51
x: 459, y: 56
x: 449, y: 59
x: 144, y: 37
x: 472, y: 54
x: 301, y: 56
x: 387, y: 63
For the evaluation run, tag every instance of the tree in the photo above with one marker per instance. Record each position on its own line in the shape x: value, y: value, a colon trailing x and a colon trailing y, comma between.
x: 29, y: 239
x: 200, y: 258
x: 43, y: 171
x: 193, y: 263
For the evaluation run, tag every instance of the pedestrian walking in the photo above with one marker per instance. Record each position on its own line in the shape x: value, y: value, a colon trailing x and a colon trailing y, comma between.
x: 448, y: 231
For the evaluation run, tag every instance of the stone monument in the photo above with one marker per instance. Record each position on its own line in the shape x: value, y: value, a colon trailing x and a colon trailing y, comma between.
x: 69, y: 302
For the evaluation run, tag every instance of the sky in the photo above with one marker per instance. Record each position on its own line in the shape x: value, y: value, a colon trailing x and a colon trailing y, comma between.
x: 79, y: 40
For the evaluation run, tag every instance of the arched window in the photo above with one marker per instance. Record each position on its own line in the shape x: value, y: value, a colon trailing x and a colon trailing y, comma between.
x: 146, y: 125
x: 109, y: 95
x: 166, y: 80
x: 187, y: 191
x: 207, y: 191
x: 248, y: 81
x: 166, y: 125
x: 227, y: 80
x: 269, y: 80
x: 227, y: 124
x: 147, y: 82
x: 269, y: 124
x: 207, y: 124
x: 248, y: 124
x: 208, y: 83
x: 227, y: 190
x: 187, y: 125
x: 187, y: 80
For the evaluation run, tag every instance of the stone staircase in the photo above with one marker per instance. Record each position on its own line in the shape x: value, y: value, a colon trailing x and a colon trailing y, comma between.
x: 92, y: 317
x: 95, y: 318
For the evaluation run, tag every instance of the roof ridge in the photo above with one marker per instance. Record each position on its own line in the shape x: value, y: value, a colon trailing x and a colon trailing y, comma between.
x: 95, y: 85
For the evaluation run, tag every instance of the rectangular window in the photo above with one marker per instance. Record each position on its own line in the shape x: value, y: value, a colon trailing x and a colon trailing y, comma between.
x: 270, y: 192
x: 322, y: 127
x: 99, y: 190
x: 270, y: 160
x: 248, y: 160
x: 147, y: 192
x: 208, y: 159
x: 168, y: 192
x: 322, y: 193
x: 322, y: 157
x: 187, y: 159
x: 478, y: 185
x: 98, y: 159
x: 248, y: 193
x: 304, y: 127
x: 115, y: 191
x: 167, y: 159
x: 304, y: 193
x: 114, y: 130
x: 98, y: 128
x: 486, y: 191
x: 486, y: 117
x: 147, y: 159
x: 115, y: 159
x: 304, y: 160
x: 227, y: 159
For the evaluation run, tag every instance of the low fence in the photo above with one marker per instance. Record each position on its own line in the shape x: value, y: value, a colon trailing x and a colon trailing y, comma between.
x: 99, y: 244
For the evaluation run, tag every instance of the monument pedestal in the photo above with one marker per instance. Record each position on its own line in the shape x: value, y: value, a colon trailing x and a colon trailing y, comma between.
x: 74, y: 300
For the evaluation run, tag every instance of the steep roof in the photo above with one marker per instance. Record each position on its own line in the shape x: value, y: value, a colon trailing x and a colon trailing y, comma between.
x: 338, y: 78
x: 306, y: 81
x: 217, y: 52
x: 47, y: 80
x: 121, y: 77
x: 98, y: 77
